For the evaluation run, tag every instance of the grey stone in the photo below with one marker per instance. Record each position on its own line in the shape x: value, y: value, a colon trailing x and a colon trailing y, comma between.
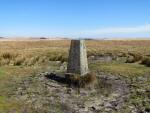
x: 77, y: 62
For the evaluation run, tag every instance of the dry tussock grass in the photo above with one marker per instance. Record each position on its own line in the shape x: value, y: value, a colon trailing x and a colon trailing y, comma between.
x: 33, y: 52
x: 146, y: 61
x: 79, y: 81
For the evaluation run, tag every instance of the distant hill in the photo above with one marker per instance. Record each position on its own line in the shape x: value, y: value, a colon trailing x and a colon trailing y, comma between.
x: 38, y: 38
x: 43, y: 38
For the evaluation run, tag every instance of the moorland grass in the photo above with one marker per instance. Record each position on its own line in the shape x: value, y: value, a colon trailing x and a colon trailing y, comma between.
x: 146, y: 61
x: 23, y: 58
x: 32, y: 52
x: 117, y: 68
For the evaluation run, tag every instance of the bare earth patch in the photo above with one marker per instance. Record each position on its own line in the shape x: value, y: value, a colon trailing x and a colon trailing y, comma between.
x: 50, y: 96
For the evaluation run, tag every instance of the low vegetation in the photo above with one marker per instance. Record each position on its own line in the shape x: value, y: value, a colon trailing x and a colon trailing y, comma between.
x: 146, y: 61
x: 129, y: 59
x: 76, y: 80
x: 35, y: 52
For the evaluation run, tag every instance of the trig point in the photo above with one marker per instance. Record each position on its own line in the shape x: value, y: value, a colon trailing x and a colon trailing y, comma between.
x: 77, y: 62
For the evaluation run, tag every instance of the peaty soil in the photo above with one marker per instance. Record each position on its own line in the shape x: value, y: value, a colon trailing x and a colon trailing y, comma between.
x: 40, y: 94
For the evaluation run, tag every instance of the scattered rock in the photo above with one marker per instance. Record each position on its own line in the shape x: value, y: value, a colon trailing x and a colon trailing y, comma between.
x: 45, y: 92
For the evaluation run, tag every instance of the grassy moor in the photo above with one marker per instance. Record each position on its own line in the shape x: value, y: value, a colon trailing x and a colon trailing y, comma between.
x: 124, y: 60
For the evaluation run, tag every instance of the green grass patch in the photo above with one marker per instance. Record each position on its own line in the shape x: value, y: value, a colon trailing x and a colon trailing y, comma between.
x: 8, y: 106
x: 8, y: 76
x: 2, y: 73
x: 117, y: 68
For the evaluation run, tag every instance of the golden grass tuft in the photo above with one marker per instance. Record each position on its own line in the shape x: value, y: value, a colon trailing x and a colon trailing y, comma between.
x: 79, y: 81
x: 57, y: 50
x: 134, y: 57
x: 8, y: 55
x: 19, y: 61
x: 146, y: 61
x: 89, y: 78
x: 4, y: 62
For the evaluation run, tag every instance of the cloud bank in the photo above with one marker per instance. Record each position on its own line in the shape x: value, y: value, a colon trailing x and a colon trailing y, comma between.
x: 136, y: 31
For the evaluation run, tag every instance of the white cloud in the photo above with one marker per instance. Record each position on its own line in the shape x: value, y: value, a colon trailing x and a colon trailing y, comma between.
x: 143, y: 30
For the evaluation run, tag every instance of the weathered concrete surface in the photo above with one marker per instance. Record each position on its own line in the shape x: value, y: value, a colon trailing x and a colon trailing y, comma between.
x: 77, y: 62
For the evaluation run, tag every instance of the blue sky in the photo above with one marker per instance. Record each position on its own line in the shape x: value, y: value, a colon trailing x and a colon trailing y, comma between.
x: 75, y: 18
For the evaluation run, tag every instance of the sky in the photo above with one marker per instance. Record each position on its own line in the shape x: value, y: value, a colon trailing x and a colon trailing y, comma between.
x: 75, y: 18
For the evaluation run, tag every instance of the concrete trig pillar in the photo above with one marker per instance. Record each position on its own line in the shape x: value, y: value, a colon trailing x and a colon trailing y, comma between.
x: 77, y: 62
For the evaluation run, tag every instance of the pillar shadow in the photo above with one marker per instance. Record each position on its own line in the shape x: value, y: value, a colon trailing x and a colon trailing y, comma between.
x: 56, y: 77
x: 60, y: 79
